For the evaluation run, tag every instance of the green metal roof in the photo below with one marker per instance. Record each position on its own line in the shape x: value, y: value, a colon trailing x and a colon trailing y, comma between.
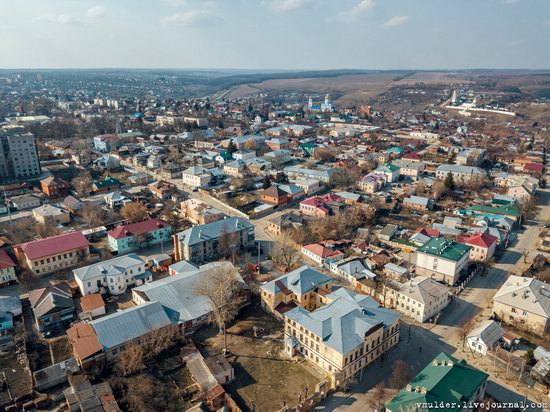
x: 445, y: 249
x: 446, y: 379
x: 509, y: 210
x: 107, y: 182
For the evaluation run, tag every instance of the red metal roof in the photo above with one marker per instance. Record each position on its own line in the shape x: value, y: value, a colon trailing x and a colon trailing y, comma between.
x: 5, y: 260
x: 138, y: 228
x: 429, y: 232
x: 321, y: 251
x: 53, y: 245
x: 483, y: 240
x: 533, y: 166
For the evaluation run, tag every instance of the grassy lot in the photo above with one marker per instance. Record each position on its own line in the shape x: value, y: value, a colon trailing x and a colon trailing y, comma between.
x: 263, y: 375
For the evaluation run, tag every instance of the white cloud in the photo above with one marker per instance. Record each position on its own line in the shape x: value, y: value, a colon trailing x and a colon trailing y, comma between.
x: 347, y: 16
x: 96, y: 11
x: 511, y: 1
x: 58, y: 18
x: 286, y: 5
x: 193, y: 18
x: 547, y: 22
x: 396, y: 21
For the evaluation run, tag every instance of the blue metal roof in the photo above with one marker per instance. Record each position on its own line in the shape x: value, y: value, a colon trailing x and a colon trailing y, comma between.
x: 123, y: 326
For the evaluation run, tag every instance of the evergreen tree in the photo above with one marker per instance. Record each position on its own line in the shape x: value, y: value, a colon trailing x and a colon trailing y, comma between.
x: 449, y: 181
x: 232, y: 148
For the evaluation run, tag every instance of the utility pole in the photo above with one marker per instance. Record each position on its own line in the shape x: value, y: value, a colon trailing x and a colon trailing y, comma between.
x: 259, y: 248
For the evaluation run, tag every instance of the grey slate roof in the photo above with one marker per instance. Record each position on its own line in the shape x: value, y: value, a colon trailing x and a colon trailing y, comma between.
x: 420, y: 289
x: 488, y: 332
x: 176, y: 293
x: 527, y: 294
x: 460, y: 169
x: 299, y: 281
x: 343, y: 323
x: 199, y: 233
x: 123, y: 326
x: 115, y: 265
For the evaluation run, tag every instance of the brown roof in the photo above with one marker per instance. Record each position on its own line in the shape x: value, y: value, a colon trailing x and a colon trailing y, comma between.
x: 83, y: 340
x: 91, y: 302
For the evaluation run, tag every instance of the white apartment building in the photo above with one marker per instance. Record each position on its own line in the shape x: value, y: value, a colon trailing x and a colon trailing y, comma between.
x: 196, y: 176
x: 460, y: 173
x: 420, y: 298
x: 18, y: 157
x: 113, y: 276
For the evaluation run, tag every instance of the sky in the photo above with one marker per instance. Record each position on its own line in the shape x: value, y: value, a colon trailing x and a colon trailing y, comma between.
x: 275, y: 34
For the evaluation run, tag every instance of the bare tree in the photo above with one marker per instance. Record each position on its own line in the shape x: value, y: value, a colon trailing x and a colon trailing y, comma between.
x: 229, y: 244
x: 377, y: 396
x: 439, y: 189
x: 21, y: 230
x: 92, y: 214
x: 325, y: 154
x: 130, y: 360
x: 161, y: 340
x: 465, y: 330
x: 83, y: 183
x: 344, y: 177
x: 420, y: 188
x: 286, y: 254
x: 401, y: 374
x: 46, y: 229
x: 220, y: 286
x: 528, y: 207
x: 134, y: 212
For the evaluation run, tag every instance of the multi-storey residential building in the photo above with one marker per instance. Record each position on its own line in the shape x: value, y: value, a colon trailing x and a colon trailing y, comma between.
x: 525, y: 303
x: 7, y: 268
x: 200, y: 212
x: 18, y: 157
x: 461, y: 174
x: 419, y: 298
x: 321, y: 206
x: 178, y: 293
x: 309, y: 186
x: 105, y: 142
x: 55, y: 253
x: 54, y: 187
x: 444, y: 381
x: 389, y: 171
x: 126, y: 238
x: 196, y: 177
x: 301, y: 287
x: 205, y: 243
x: 442, y: 259
x: 343, y: 337
x: 372, y: 182
x: 482, y: 245
x: 113, y: 276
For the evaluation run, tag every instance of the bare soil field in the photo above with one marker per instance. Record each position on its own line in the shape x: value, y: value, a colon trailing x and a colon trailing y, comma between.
x: 352, y: 89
